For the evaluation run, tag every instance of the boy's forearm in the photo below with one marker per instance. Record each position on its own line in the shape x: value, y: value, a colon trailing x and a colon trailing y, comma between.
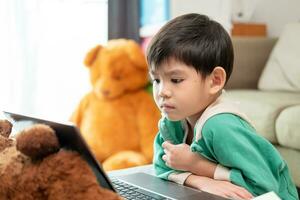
x: 203, y: 168
x: 195, y: 181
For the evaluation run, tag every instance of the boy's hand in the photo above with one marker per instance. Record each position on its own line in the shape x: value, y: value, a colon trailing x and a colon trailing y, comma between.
x: 179, y: 156
x: 220, y: 188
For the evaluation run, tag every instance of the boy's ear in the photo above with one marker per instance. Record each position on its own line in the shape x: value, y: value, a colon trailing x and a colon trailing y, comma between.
x: 217, y: 80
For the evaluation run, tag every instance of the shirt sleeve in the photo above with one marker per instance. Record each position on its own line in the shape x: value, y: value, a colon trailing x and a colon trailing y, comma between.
x: 160, y: 167
x: 232, y: 142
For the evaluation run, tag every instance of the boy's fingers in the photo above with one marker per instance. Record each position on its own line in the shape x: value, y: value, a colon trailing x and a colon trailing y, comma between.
x: 166, y: 145
x: 164, y: 157
x: 166, y: 151
x: 233, y: 196
x: 243, y: 193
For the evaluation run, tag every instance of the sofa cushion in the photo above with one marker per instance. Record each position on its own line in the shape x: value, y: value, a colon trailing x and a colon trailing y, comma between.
x: 282, y: 71
x: 263, y: 108
x: 250, y: 57
x: 288, y: 127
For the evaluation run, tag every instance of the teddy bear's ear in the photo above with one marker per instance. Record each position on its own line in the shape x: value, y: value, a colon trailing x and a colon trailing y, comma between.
x: 92, y: 55
x: 37, y: 141
x: 136, y: 54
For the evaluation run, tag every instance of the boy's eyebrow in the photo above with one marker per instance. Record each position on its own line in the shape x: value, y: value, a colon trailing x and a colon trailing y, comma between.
x: 170, y: 72
x: 175, y: 72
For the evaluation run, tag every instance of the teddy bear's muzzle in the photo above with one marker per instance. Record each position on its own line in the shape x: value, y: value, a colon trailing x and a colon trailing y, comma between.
x: 107, y: 92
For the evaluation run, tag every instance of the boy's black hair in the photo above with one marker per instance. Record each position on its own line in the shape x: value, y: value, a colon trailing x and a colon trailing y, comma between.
x: 194, y: 40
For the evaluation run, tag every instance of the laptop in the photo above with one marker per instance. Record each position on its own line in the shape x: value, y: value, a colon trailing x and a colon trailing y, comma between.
x: 133, y: 186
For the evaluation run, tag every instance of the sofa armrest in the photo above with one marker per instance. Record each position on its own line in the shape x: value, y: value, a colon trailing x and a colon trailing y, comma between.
x: 250, y: 57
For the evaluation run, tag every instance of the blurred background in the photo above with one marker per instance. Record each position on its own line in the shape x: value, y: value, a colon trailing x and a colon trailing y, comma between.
x: 43, y: 42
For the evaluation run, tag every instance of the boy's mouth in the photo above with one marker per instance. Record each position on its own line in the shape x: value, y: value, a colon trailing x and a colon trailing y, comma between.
x: 167, y: 107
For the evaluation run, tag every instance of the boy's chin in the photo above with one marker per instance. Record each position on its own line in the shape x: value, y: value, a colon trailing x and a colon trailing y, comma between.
x: 173, y: 118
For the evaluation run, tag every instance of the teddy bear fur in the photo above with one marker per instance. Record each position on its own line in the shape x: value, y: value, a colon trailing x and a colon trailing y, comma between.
x: 118, y: 118
x: 35, y: 167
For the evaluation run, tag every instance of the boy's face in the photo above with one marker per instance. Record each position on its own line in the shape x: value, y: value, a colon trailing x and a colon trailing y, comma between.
x: 179, y: 91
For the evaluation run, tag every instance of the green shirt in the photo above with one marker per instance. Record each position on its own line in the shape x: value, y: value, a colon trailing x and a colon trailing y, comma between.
x: 229, y: 140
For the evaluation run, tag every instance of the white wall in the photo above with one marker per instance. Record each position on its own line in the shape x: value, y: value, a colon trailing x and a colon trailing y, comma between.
x: 42, y: 47
x: 218, y: 10
x: 275, y: 13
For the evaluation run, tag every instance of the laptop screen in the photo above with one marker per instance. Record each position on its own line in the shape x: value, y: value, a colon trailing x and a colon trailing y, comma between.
x: 69, y: 137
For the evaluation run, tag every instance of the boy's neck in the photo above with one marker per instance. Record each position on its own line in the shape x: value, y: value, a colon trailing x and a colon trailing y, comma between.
x: 192, y: 120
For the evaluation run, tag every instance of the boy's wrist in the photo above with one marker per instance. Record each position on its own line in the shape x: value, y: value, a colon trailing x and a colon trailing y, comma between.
x: 179, y: 178
x: 196, y: 181
x: 203, y: 167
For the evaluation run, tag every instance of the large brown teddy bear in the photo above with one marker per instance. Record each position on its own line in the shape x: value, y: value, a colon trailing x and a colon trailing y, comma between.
x: 33, y: 167
x: 118, y: 118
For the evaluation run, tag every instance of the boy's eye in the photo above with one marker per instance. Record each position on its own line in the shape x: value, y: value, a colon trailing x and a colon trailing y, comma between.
x: 176, y: 80
x: 155, y: 80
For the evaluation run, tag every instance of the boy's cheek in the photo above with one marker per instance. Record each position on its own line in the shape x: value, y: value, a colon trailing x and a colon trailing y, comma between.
x: 156, y: 102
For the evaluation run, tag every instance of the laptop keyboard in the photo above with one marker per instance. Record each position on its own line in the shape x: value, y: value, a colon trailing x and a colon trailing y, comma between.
x: 131, y: 192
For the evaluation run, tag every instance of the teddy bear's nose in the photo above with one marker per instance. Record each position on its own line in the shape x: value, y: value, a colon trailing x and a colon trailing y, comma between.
x: 105, y: 92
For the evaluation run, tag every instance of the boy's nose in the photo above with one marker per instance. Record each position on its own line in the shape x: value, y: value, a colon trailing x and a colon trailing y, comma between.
x: 164, y: 92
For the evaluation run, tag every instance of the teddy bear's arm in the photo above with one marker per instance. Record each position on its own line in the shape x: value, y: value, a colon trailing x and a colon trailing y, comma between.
x: 77, y: 115
x: 147, y: 120
x: 147, y: 116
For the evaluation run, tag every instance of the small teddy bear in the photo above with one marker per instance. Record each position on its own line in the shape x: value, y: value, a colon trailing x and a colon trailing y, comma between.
x: 118, y: 118
x: 35, y: 167
x: 5, y: 130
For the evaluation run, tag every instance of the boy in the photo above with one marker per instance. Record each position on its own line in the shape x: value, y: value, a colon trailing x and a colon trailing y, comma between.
x: 204, y: 141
